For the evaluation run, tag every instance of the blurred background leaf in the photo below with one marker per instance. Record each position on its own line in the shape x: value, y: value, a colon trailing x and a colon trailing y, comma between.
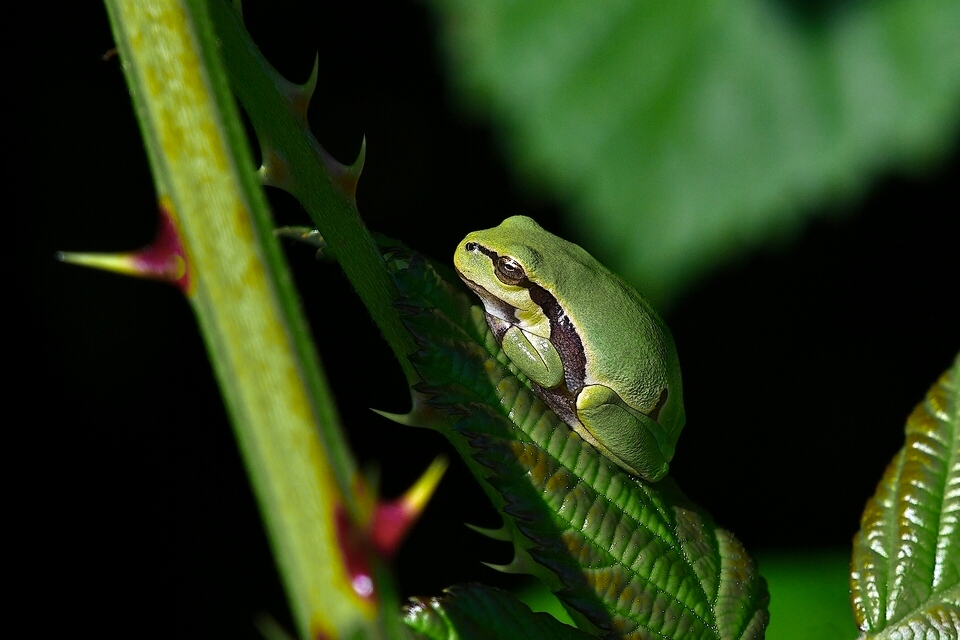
x: 812, y: 595
x: 679, y: 133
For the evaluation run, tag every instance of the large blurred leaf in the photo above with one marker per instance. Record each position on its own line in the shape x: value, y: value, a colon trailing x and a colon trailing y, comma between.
x: 683, y: 131
x: 905, y: 575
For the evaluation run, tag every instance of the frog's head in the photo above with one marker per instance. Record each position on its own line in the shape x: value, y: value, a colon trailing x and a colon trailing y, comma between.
x: 501, y: 264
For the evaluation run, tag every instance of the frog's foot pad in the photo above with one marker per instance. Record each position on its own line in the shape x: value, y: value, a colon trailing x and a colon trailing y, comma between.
x: 625, y: 435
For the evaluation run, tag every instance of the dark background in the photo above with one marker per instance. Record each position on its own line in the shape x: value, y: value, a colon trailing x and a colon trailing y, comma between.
x: 131, y: 508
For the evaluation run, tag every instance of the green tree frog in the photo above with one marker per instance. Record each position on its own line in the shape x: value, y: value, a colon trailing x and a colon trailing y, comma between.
x: 593, y: 348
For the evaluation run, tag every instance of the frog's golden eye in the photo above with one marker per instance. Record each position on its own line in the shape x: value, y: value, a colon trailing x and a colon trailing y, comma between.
x: 509, y: 271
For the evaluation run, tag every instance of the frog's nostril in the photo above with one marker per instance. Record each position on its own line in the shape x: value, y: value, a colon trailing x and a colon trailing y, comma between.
x: 470, y: 246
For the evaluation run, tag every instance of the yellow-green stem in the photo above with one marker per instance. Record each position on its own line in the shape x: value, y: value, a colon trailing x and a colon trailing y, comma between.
x: 239, y: 287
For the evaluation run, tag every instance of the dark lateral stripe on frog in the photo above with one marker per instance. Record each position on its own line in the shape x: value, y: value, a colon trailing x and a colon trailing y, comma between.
x: 563, y: 335
x: 662, y: 400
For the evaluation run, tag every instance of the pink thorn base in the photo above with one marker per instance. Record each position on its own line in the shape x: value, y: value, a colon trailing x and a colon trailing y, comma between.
x: 163, y: 259
x: 354, y: 550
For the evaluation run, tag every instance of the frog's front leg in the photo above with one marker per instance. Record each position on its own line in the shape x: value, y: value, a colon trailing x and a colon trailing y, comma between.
x: 623, y: 429
x: 535, y: 356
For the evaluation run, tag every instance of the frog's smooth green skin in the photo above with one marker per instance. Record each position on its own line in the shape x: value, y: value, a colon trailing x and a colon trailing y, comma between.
x: 594, y: 349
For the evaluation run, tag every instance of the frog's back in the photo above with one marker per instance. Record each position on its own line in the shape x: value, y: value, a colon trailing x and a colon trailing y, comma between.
x: 631, y: 348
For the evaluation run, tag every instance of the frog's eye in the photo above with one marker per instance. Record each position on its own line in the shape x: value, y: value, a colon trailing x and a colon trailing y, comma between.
x: 509, y: 271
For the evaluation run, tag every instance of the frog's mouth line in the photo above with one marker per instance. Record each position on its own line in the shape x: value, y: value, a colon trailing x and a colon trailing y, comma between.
x: 493, y: 305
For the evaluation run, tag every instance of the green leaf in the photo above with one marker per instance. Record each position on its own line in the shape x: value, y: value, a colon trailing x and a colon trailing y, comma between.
x: 535, y: 595
x: 682, y: 132
x: 474, y: 612
x: 905, y: 577
x: 623, y: 556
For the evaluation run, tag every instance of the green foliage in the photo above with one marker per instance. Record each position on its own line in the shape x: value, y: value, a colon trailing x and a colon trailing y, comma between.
x: 682, y: 132
x: 536, y: 596
x: 906, y: 557
x: 623, y: 556
x: 475, y: 612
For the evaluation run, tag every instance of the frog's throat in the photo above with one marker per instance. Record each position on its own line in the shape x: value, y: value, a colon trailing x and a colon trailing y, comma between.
x: 561, y: 331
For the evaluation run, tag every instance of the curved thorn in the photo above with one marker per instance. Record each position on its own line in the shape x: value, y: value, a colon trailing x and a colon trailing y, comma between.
x: 349, y: 175
x: 406, y: 419
x: 392, y: 520
x: 344, y: 177
x: 521, y: 563
x: 301, y: 94
x: 162, y: 259
x: 311, y: 84
x: 356, y: 168
x: 501, y: 533
x: 502, y: 568
x: 420, y: 492
x: 124, y: 263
